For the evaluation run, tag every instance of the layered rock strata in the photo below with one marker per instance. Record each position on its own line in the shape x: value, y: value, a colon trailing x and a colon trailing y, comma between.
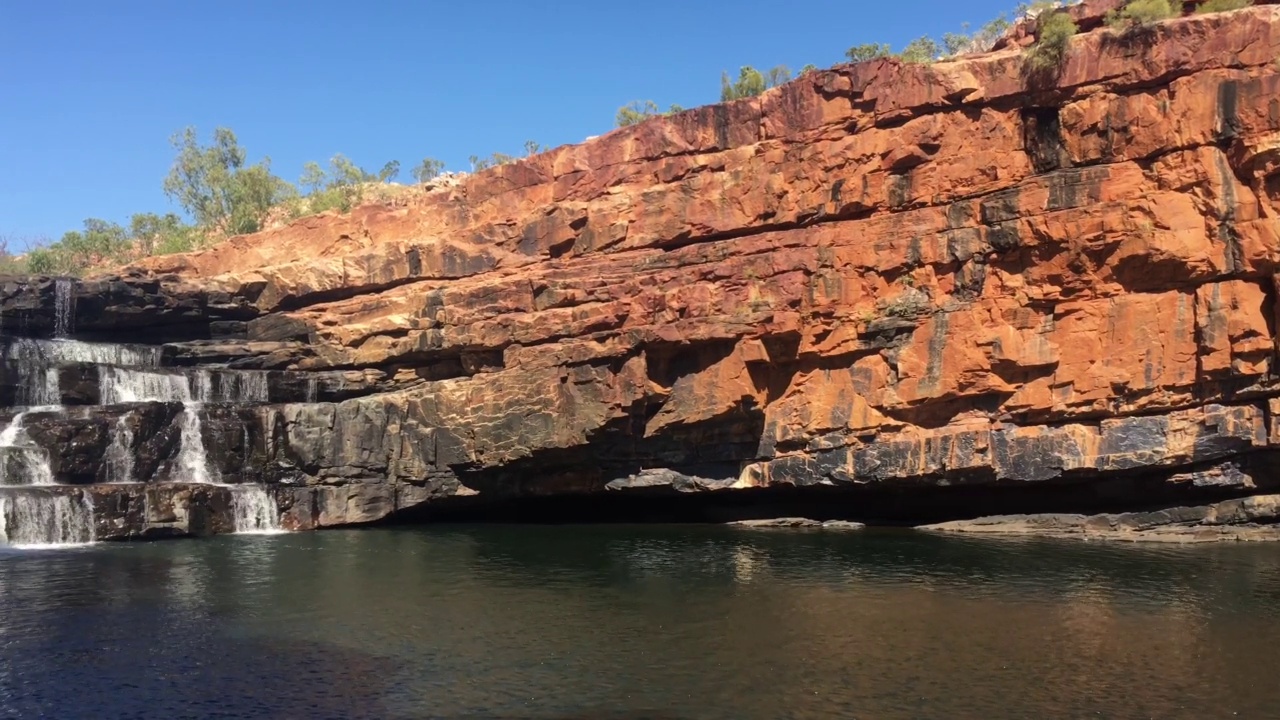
x: 907, y: 293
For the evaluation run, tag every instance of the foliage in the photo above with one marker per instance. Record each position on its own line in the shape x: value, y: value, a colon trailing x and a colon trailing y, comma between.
x: 217, y: 188
x: 751, y: 82
x: 484, y: 163
x: 11, y: 264
x: 923, y: 49
x: 859, y: 53
x: 980, y: 41
x: 389, y: 171
x: 638, y: 111
x: 75, y: 251
x: 807, y: 69
x: 427, y: 169
x: 1140, y: 13
x: 1050, y: 49
x: 155, y: 233
x: 341, y: 187
x: 1213, y: 6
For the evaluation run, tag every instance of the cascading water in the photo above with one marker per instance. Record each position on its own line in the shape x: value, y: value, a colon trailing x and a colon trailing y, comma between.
x: 193, y: 462
x: 33, y: 353
x: 124, y: 385
x: 254, y: 510
x: 119, y: 455
x: 22, y: 462
x: 64, y: 304
x: 47, y: 520
x: 34, y: 514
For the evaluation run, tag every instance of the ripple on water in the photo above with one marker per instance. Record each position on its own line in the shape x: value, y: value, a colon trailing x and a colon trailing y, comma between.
x: 626, y: 622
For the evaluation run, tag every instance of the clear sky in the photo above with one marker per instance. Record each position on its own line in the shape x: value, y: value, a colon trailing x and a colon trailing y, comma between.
x: 90, y: 91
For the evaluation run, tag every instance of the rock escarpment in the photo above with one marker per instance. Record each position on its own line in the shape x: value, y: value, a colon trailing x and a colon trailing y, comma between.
x: 882, y: 292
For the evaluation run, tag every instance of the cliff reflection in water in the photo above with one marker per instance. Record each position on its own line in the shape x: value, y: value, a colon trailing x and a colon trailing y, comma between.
x: 617, y: 622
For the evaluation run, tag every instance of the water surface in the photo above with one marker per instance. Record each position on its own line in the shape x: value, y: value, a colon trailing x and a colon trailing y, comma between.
x: 638, y: 622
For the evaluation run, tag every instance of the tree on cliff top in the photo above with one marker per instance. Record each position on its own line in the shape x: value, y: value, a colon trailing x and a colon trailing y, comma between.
x: 751, y: 82
x: 641, y: 110
x: 427, y: 169
x: 217, y: 188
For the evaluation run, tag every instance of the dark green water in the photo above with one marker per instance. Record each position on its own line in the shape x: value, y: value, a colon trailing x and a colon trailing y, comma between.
x: 634, y: 622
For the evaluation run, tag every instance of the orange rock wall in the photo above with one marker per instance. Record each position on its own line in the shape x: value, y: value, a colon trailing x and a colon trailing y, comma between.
x: 874, y: 275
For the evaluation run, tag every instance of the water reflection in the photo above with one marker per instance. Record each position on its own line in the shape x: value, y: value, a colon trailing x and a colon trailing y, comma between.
x: 603, y: 622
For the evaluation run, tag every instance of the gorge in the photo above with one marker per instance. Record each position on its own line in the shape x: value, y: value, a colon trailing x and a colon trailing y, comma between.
x: 907, y: 294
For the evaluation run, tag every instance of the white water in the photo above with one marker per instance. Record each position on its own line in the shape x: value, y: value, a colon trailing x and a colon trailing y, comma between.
x: 40, y: 520
x: 64, y: 305
x: 193, y: 462
x: 126, y: 375
x: 32, y: 353
x: 119, y: 454
x: 239, y: 387
x: 254, y: 510
x: 31, y: 460
x: 312, y: 389
x: 123, y: 385
x: 40, y: 387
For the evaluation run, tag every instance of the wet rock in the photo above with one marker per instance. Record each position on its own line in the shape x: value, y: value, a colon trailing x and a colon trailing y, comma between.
x: 798, y: 522
x: 1250, y: 518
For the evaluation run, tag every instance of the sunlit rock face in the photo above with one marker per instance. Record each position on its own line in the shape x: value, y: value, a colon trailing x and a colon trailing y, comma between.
x: 916, y: 293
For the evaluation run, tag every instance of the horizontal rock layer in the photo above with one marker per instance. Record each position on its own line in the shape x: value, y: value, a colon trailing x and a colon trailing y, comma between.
x: 959, y: 282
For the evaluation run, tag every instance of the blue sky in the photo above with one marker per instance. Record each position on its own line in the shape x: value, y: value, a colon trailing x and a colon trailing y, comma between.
x: 93, y: 90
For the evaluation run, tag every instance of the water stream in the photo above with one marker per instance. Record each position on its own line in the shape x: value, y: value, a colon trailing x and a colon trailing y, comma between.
x: 46, y: 519
x: 125, y: 374
x: 64, y: 304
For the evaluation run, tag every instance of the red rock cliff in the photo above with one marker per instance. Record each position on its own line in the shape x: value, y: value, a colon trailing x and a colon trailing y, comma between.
x: 948, y: 288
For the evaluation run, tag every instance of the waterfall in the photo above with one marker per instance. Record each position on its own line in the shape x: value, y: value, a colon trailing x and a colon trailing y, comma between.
x: 40, y: 387
x: 124, y: 385
x: 193, y: 463
x: 238, y: 386
x: 312, y: 388
x: 64, y: 305
x: 40, y: 354
x: 119, y: 455
x: 22, y: 462
x: 33, y: 514
x: 254, y: 510
x: 40, y: 520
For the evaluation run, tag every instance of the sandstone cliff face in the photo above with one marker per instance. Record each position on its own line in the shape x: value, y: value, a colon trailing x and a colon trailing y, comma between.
x: 912, y: 292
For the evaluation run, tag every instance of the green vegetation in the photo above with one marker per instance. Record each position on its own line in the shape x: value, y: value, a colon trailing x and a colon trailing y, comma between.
x: 1052, y: 37
x: 860, y: 53
x: 478, y: 163
x: 1213, y: 6
x: 215, y: 186
x: 428, y: 169
x: 341, y: 187
x: 222, y: 194
x: 640, y: 110
x: 100, y: 241
x: 1141, y: 13
x: 751, y: 82
x: 923, y: 49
